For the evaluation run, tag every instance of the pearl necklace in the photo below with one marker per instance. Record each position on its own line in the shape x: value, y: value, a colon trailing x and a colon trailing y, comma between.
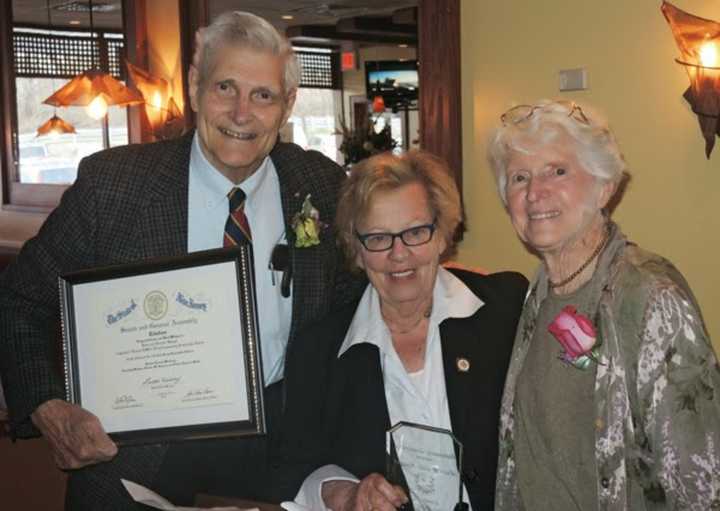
x: 573, y: 275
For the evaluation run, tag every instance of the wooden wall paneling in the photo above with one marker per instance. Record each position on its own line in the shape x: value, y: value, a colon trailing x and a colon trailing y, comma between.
x: 136, y: 52
x: 7, y: 100
x: 193, y: 15
x: 30, y: 480
x: 439, y: 101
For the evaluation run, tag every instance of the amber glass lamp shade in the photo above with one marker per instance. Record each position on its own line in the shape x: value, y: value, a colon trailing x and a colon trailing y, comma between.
x: 91, y: 88
x: 162, y: 112
x: 55, y: 125
x: 698, y: 40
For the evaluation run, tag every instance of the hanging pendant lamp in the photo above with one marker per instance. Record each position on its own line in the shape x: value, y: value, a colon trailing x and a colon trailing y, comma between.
x: 94, y: 89
x: 55, y: 125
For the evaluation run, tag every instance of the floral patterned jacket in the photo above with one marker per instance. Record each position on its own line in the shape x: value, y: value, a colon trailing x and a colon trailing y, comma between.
x: 657, y: 388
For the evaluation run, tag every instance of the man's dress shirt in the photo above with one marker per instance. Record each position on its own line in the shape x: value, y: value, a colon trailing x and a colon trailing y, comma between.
x: 207, y: 213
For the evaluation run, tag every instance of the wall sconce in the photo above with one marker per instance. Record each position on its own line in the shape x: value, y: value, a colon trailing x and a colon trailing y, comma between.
x: 699, y: 42
x: 163, y: 114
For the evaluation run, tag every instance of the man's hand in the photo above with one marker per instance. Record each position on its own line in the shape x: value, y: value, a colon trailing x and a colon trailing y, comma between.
x: 75, y: 435
x: 373, y: 493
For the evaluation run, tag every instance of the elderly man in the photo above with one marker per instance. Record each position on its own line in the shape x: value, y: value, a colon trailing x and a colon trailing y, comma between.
x: 171, y: 198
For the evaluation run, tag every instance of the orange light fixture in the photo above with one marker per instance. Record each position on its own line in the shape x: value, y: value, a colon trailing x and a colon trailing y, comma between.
x: 55, y: 126
x: 698, y: 40
x: 162, y: 112
x: 94, y: 89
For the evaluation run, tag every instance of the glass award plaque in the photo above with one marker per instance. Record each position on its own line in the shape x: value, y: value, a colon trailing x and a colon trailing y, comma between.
x: 424, y: 461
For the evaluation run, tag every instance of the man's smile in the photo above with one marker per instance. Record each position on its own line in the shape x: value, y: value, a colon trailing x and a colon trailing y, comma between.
x: 238, y: 135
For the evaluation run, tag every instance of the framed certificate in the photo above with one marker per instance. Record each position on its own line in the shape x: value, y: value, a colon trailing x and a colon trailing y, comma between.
x: 166, y: 349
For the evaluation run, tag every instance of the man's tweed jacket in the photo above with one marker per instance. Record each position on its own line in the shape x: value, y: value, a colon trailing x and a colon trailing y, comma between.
x: 127, y: 204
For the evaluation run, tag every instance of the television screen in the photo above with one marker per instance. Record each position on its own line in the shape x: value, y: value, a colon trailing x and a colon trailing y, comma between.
x: 395, y: 80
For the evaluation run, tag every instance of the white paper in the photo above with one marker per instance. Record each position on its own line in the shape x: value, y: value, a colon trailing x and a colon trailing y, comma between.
x: 164, y: 349
x: 293, y: 506
x: 150, y: 498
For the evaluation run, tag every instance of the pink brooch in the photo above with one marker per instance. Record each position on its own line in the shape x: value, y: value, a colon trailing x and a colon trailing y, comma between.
x: 576, y: 334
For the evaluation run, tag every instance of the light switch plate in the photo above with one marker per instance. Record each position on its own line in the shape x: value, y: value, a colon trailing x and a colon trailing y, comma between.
x: 573, y: 79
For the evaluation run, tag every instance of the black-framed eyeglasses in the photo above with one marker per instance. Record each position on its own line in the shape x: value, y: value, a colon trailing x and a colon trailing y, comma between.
x: 522, y: 113
x: 382, y: 241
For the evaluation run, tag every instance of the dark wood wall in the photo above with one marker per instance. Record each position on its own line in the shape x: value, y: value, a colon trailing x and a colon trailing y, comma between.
x: 439, y: 55
x: 29, y: 479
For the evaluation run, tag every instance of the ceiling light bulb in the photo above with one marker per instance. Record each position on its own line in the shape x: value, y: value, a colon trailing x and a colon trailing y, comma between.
x: 157, y: 100
x: 97, y: 107
x: 287, y: 17
x: 708, y: 55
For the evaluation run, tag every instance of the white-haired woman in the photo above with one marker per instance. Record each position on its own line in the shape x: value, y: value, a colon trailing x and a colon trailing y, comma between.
x: 612, y: 396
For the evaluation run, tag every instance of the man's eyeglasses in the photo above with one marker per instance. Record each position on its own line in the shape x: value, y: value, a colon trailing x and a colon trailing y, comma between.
x: 522, y: 113
x: 412, y: 237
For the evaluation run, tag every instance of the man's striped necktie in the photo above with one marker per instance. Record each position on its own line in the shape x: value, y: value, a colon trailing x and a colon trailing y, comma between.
x: 237, y: 228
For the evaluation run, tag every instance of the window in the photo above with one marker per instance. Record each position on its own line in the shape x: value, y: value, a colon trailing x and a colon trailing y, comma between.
x: 44, y: 61
x: 44, y: 56
x: 320, y: 68
x: 313, y: 120
x: 319, y: 101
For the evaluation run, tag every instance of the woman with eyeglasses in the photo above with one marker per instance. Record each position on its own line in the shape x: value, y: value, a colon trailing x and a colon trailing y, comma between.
x: 612, y: 399
x: 424, y: 345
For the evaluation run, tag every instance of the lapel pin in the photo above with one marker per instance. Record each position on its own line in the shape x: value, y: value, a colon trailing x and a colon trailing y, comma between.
x: 463, y: 364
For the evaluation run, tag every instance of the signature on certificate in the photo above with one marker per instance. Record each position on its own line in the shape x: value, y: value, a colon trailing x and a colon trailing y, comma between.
x: 125, y: 401
x: 164, y: 382
x: 201, y: 394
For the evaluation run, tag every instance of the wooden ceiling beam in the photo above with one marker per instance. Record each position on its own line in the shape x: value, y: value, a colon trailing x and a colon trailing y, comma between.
x: 406, y: 16
x: 375, y: 26
x: 327, y: 33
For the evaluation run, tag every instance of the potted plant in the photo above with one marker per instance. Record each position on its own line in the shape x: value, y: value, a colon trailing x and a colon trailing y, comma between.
x: 364, y: 140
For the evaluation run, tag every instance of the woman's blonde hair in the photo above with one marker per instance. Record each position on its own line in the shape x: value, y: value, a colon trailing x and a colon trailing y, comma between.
x: 385, y: 172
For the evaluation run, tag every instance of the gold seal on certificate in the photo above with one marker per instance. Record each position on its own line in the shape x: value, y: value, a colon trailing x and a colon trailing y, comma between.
x: 424, y: 461
x: 166, y: 349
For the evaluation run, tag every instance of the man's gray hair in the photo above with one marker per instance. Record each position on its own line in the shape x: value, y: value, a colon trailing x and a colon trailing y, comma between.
x: 596, y: 148
x: 245, y: 30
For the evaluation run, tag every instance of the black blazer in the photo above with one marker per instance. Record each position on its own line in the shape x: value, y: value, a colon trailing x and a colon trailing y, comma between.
x: 336, y: 410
